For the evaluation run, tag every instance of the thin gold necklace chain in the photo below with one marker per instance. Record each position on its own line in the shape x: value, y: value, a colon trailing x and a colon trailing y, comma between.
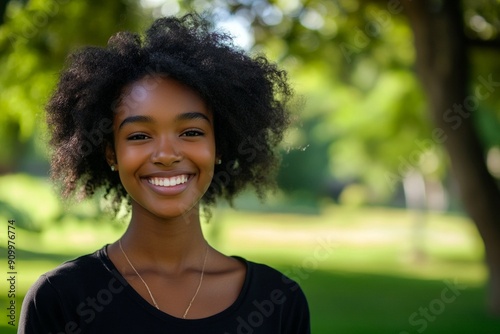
x: 149, y: 290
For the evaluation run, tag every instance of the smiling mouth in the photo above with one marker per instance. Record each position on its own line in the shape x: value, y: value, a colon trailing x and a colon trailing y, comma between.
x: 169, y: 181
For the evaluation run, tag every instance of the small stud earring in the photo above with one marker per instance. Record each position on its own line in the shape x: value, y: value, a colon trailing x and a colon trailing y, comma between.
x: 218, y: 161
x: 113, y: 168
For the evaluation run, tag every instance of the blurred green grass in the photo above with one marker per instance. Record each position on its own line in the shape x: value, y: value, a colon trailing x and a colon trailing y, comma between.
x: 357, y: 266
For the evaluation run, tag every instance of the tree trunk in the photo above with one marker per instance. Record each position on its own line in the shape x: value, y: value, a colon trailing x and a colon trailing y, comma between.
x: 3, y: 7
x: 443, y: 69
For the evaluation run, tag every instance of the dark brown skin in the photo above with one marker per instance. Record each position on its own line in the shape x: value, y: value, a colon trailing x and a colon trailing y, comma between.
x: 164, y: 240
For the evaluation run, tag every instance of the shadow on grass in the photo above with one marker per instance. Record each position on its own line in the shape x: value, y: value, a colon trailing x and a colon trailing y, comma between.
x: 358, y: 303
x: 7, y: 329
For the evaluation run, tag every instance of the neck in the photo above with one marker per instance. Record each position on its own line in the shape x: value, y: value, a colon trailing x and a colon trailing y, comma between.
x: 170, y: 243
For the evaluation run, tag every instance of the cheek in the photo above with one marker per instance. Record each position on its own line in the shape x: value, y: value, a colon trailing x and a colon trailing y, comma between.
x: 129, y: 160
x: 206, y: 155
x: 205, y: 159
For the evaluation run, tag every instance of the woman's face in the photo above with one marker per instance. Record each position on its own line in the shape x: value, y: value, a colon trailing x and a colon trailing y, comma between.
x: 164, y: 147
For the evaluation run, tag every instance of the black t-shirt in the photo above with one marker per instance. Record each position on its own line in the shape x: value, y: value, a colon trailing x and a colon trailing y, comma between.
x: 89, y: 295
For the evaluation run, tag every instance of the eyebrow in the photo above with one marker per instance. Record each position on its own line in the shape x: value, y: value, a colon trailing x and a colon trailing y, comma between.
x: 192, y: 115
x: 136, y: 119
x: 148, y: 119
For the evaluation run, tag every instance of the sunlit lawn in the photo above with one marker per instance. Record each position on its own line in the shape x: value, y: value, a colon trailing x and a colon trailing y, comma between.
x: 358, y: 267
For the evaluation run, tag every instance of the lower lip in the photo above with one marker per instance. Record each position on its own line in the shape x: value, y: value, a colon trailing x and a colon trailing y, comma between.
x: 168, y: 191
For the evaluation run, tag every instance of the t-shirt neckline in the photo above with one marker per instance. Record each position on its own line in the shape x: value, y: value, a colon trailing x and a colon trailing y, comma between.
x: 103, y: 256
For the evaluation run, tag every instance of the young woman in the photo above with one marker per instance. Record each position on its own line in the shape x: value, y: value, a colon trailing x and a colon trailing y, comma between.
x: 166, y: 122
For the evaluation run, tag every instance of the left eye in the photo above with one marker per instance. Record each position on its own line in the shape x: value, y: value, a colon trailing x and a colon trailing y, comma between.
x: 138, y: 137
x: 192, y: 133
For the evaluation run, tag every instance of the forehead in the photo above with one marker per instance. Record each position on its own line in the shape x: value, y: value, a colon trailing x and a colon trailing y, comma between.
x: 159, y: 94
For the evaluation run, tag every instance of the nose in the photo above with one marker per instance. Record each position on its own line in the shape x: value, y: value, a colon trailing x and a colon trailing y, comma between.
x: 165, y: 152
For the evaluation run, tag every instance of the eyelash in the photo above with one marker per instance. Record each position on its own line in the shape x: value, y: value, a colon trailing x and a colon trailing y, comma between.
x: 134, y: 137
x: 188, y: 133
x: 193, y: 133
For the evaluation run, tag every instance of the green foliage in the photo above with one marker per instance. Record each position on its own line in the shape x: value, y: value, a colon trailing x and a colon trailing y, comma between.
x: 482, y: 19
x: 365, y: 113
x: 34, y: 41
x: 353, y: 63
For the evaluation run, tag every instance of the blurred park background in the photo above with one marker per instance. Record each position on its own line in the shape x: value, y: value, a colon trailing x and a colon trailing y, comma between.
x: 388, y: 209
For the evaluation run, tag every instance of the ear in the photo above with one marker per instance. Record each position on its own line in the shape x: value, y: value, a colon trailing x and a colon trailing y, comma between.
x: 110, y: 155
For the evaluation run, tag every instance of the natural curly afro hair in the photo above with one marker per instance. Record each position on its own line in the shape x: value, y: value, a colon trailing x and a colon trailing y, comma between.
x: 247, y: 96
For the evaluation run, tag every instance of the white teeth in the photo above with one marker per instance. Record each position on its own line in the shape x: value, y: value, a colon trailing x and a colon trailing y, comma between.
x: 168, y: 182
